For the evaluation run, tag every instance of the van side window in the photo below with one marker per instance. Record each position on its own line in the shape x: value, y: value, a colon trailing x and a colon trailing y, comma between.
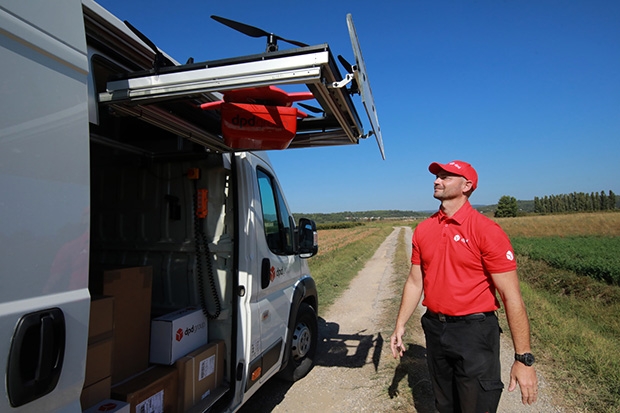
x: 277, y: 220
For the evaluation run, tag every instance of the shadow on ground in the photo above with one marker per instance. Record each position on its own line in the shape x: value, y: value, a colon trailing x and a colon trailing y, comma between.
x: 346, y: 350
x: 351, y: 351
x: 333, y: 350
x: 413, y: 367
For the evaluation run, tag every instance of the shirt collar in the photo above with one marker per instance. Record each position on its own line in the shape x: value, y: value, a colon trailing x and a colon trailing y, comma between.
x: 459, y: 217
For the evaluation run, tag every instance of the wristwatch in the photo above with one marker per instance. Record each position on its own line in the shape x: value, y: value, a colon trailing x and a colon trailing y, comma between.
x: 525, y: 358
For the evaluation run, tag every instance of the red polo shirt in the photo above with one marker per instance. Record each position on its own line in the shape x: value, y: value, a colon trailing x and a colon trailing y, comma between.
x: 458, y: 256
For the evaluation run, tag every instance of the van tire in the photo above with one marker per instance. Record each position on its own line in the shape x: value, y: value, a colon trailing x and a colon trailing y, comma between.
x: 303, y: 343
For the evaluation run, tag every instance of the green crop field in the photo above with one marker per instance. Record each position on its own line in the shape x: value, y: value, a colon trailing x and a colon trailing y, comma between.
x: 591, y: 256
x: 570, y: 271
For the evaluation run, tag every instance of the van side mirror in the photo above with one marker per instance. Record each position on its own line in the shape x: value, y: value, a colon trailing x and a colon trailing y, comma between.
x: 308, y: 238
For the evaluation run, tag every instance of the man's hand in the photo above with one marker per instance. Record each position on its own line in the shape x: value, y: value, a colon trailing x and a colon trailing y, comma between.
x: 396, y: 343
x: 412, y: 291
x: 528, y: 382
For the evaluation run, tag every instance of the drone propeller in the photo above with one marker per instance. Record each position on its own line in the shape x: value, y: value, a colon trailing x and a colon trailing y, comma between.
x: 272, y: 39
x: 160, y: 60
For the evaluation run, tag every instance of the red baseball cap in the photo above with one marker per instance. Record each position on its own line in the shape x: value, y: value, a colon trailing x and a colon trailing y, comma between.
x: 458, y: 168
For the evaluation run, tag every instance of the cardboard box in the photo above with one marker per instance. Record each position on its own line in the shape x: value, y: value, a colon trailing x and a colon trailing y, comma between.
x: 153, y: 391
x: 101, y: 322
x: 98, y: 361
x: 95, y: 393
x: 109, y: 406
x: 131, y: 289
x: 100, y: 340
x: 176, y: 334
x: 200, y: 372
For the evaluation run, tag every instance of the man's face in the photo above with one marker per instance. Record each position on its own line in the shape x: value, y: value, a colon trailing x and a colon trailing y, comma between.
x: 449, y: 186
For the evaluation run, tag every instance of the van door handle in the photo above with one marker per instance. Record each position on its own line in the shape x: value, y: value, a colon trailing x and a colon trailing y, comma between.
x: 36, y: 356
x: 265, y: 273
x: 46, y: 350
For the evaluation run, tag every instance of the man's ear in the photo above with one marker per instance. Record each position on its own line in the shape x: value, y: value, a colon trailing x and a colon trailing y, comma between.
x: 468, y: 187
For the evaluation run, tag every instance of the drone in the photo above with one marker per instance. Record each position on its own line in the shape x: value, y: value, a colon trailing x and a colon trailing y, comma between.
x: 249, y: 106
x: 258, y: 117
x: 263, y: 117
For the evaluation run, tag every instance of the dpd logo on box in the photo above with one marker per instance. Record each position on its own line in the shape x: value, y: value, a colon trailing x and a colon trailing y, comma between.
x: 189, y: 330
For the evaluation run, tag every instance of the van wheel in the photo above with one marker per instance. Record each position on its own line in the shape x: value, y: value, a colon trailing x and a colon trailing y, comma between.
x: 303, y: 345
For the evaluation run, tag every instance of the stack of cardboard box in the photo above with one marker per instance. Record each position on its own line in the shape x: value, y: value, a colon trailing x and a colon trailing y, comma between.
x: 98, y: 372
x: 160, y: 365
x: 131, y: 289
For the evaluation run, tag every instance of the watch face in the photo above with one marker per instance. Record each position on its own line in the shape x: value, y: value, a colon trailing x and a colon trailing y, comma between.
x: 527, y: 358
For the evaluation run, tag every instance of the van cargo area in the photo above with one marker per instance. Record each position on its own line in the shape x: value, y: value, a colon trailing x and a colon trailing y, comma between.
x: 143, y: 210
x: 145, y: 186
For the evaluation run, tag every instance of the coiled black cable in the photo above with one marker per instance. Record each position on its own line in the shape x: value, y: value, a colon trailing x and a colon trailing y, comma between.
x: 202, y: 250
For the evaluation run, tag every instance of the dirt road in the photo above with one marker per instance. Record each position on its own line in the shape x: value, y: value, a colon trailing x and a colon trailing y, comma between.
x: 355, y: 371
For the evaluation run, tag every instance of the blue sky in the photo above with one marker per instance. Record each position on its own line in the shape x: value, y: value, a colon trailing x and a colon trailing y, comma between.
x: 526, y: 91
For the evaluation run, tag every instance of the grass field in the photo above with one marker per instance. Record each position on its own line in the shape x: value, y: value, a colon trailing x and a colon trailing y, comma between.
x: 569, y: 269
x: 574, y: 318
x: 600, y: 224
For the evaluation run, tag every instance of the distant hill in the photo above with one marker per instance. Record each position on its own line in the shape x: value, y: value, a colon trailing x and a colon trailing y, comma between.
x: 322, y: 218
x: 348, y: 216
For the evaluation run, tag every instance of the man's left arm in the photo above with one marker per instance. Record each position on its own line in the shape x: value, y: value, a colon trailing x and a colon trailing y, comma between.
x: 507, y: 285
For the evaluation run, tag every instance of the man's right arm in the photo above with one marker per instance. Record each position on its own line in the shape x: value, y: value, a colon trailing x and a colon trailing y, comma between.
x: 412, y: 292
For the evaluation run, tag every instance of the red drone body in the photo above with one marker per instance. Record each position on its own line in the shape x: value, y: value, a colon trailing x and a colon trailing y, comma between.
x: 259, y: 118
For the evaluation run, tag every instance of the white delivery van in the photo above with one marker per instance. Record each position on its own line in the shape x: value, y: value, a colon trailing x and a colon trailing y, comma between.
x: 122, y: 197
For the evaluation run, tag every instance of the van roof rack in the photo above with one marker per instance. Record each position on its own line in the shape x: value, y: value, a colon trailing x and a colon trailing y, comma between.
x: 169, y: 96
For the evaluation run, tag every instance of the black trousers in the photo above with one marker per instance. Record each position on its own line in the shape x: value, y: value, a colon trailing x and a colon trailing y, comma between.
x: 463, y: 361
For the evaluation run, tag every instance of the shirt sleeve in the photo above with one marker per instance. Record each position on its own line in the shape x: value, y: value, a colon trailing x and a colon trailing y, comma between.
x: 497, y: 252
x: 415, y: 250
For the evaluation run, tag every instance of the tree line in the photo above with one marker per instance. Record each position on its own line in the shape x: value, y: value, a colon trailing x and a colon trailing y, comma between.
x: 575, y: 202
x: 508, y: 206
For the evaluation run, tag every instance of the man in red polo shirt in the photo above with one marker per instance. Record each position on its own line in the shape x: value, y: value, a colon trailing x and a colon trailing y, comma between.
x: 460, y: 259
